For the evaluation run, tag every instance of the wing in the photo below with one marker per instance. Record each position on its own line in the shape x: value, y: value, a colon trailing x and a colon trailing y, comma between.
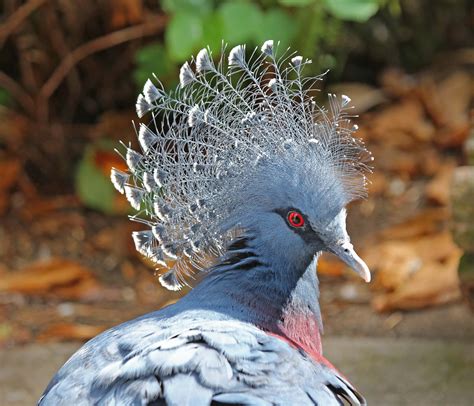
x: 207, y: 363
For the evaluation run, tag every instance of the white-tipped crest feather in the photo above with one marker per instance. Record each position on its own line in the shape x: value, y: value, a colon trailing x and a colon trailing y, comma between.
x: 203, y: 61
x: 133, y: 159
x: 142, y: 106
x: 186, y: 75
x: 134, y: 196
x: 267, y: 47
x: 297, y: 61
x: 210, y: 136
x: 170, y: 281
x: 146, y: 137
x: 119, y: 179
x: 151, y: 92
x: 237, y: 56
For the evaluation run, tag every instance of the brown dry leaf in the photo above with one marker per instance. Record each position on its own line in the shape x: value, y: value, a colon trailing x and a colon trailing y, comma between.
x: 422, y: 159
x: 125, y: 12
x: 117, y: 239
x: 396, y: 261
x: 435, y: 247
x: 87, y: 289
x: 14, y: 130
x: 407, y: 117
x: 397, y: 83
x: 448, y: 101
x: 453, y: 137
x: 59, y: 277
x: 430, y: 160
x: 435, y: 283
x: 70, y: 331
x: 41, y: 206
x: 395, y: 161
x: 426, y: 222
x: 438, y: 189
x: 116, y: 126
x: 416, y: 272
x: 10, y: 171
x: 330, y: 265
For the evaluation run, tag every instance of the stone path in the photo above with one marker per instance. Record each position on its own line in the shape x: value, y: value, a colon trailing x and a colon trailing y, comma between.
x: 388, y: 371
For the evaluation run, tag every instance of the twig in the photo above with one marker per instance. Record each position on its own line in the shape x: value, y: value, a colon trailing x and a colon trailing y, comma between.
x: 96, y: 45
x: 59, y: 43
x: 17, y: 18
x: 17, y: 92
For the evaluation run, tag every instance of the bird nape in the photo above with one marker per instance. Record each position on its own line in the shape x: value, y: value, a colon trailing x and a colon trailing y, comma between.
x: 241, y: 165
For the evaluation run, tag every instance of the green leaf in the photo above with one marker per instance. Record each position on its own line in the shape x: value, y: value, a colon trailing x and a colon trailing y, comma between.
x: 92, y: 180
x: 150, y: 59
x: 352, y: 10
x: 183, y: 34
x: 241, y: 21
x: 296, y: 3
x: 213, y: 32
x: 278, y: 26
x: 190, y: 6
x: 93, y: 188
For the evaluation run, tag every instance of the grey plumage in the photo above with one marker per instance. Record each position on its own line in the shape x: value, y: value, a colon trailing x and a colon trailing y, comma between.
x: 241, y: 163
x: 207, y: 361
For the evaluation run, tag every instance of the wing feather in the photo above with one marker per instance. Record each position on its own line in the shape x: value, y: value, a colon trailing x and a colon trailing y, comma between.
x: 218, y: 362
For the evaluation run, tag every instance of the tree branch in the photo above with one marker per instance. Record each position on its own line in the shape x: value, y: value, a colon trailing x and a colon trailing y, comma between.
x: 17, y: 18
x: 99, y: 44
x: 17, y: 92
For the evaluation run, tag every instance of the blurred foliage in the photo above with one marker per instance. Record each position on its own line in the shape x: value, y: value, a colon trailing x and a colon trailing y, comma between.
x: 152, y: 58
x: 66, y: 65
x: 4, y: 97
x: 311, y: 26
x: 93, y: 184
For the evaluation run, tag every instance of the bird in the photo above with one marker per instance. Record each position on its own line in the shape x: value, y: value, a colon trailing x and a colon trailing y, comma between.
x: 242, y: 180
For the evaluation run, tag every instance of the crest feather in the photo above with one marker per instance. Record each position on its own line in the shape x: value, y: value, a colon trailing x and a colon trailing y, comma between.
x: 203, y: 61
x: 223, y: 124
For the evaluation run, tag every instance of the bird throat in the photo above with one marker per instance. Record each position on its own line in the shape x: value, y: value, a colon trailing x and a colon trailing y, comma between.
x: 296, y: 318
x: 301, y: 331
x: 286, y: 306
x: 300, y: 321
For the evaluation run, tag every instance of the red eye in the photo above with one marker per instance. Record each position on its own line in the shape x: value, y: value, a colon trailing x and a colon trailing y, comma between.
x: 295, y: 219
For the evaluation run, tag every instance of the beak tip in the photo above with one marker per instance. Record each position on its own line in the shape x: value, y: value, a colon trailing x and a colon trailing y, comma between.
x: 364, y: 272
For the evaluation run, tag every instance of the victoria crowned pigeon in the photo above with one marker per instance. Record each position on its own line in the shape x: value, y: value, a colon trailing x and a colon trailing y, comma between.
x: 243, y: 181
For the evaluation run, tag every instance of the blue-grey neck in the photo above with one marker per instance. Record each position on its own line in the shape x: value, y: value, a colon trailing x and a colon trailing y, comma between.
x: 261, y: 289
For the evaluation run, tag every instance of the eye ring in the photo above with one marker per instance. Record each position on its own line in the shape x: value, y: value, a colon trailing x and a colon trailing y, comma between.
x: 295, y: 219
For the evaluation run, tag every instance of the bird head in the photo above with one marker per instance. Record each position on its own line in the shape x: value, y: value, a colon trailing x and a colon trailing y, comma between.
x: 294, y: 206
x: 242, y: 147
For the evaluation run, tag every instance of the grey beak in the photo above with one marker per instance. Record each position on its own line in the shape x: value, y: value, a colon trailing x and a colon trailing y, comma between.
x: 345, y: 251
